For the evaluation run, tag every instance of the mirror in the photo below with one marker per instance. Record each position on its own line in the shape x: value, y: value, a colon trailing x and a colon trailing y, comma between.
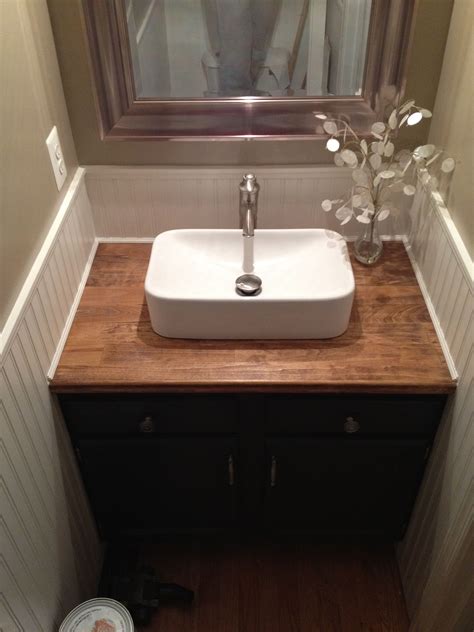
x: 224, y: 69
x: 233, y: 48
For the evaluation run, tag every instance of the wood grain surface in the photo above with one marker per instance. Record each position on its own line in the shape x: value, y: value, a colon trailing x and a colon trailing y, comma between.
x: 390, y: 345
x: 262, y: 584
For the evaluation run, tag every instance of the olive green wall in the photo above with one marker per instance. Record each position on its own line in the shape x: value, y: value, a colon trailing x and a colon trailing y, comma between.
x: 432, y: 24
x: 32, y: 102
x: 452, y: 125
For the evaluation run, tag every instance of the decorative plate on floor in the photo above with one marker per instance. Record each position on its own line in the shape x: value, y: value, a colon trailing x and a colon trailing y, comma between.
x: 98, y: 615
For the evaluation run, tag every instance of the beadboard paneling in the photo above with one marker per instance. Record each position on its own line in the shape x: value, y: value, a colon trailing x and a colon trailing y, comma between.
x: 131, y: 203
x: 50, y: 555
x: 436, y: 557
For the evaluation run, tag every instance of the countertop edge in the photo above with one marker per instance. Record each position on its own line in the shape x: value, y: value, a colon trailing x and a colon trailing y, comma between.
x: 381, y: 389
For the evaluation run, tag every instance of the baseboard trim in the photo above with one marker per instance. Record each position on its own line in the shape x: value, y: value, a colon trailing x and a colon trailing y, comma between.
x: 125, y: 240
x: 72, y: 312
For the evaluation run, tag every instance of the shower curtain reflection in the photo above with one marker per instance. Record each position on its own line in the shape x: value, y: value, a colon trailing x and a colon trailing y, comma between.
x: 226, y: 48
x: 245, y: 30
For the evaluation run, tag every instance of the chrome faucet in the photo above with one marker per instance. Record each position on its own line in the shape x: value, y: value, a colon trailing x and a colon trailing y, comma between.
x: 248, y: 206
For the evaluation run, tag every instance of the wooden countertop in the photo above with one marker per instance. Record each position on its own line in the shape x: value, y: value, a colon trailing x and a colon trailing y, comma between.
x: 390, y: 345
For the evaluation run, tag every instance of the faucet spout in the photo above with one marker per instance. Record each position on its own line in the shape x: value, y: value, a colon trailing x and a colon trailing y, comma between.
x: 248, y: 206
x: 249, y: 223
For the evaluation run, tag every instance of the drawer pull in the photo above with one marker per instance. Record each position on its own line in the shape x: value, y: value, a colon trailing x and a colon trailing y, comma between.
x: 273, y: 472
x: 230, y: 464
x: 351, y: 425
x: 146, y: 426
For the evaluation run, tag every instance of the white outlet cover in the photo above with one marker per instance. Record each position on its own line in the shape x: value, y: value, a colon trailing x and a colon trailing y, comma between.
x: 56, y: 156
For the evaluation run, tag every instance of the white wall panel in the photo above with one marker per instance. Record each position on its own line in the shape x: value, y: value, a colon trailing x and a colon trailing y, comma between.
x: 436, y: 557
x: 50, y: 555
x: 131, y: 203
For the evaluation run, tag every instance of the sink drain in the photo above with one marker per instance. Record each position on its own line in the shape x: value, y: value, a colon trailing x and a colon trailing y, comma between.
x: 248, y: 285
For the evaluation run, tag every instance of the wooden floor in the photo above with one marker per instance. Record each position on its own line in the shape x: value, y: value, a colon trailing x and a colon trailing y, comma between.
x: 279, y: 585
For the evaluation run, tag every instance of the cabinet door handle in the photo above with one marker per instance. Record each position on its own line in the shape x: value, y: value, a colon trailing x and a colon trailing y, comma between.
x: 273, y: 472
x: 230, y: 465
x: 146, y: 426
x: 351, y: 425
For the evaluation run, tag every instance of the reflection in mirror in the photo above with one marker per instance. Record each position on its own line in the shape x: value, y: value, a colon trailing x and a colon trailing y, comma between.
x: 224, y: 48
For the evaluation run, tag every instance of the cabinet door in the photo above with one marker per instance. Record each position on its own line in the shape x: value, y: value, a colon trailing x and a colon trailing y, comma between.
x: 340, y: 485
x: 165, y: 483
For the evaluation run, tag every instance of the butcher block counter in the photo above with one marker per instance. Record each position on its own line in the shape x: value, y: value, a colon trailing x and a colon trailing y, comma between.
x: 390, y: 346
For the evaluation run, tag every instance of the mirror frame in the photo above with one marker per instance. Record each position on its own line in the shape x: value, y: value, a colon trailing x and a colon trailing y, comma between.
x: 124, y: 117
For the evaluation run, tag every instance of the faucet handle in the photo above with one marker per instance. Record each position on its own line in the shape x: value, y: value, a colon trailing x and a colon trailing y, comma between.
x: 249, y: 183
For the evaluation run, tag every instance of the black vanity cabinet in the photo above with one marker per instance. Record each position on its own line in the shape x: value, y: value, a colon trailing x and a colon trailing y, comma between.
x: 337, y: 464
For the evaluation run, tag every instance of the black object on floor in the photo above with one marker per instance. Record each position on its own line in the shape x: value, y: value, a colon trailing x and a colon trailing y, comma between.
x: 138, y: 589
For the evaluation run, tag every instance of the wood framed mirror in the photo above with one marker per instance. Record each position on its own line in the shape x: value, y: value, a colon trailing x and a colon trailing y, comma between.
x: 185, y: 87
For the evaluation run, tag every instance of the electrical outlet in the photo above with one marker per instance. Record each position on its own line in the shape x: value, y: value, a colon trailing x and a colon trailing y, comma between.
x: 56, y: 156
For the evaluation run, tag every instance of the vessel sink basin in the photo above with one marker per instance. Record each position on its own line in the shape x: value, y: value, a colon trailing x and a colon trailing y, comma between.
x: 307, y: 284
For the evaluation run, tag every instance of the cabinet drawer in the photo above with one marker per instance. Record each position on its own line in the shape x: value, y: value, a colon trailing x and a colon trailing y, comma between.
x: 361, y: 415
x: 137, y: 414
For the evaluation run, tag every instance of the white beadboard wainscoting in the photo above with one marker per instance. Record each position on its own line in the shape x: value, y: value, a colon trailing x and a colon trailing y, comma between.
x: 138, y: 202
x: 50, y: 555
x: 436, y: 556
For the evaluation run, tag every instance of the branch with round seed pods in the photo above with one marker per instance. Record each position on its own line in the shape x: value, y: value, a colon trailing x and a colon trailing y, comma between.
x: 378, y: 171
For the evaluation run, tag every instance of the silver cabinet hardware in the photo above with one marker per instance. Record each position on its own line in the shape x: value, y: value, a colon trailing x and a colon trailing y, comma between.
x: 146, y: 426
x: 351, y: 425
x: 230, y: 463
x: 273, y: 472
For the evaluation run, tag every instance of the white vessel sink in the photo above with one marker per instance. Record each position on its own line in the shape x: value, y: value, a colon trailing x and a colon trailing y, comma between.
x: 307, y: 284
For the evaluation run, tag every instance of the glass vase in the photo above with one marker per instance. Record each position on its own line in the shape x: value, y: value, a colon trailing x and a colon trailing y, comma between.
x: 368, y: 247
